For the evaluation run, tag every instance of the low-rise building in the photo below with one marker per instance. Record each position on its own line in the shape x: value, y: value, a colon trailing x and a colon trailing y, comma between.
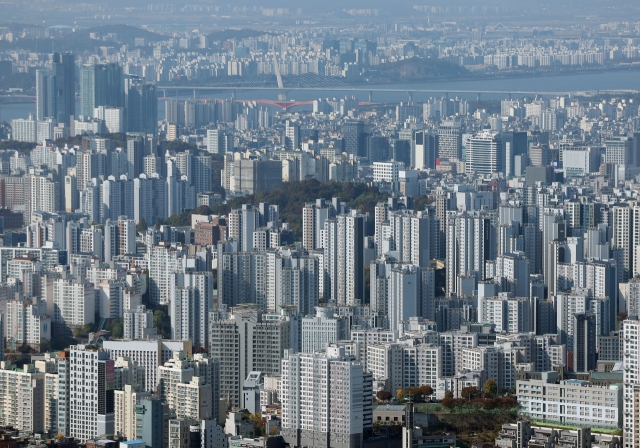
x: 571, y: 402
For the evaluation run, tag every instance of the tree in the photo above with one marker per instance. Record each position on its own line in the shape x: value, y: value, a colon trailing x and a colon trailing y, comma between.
x: 490, y: 387
x: 469, y: 392
x: 258, y: 423
x: 162, y: 323
x: 426, y: 390
x: 142, y: 226
x: 45, y: 346
x: 412, y: 392
x: 384, y: 395
x: 115, y: 327
x: 82, y: 330
x: 400, y: 393
x: 448, y: 394
x: 448, y: 403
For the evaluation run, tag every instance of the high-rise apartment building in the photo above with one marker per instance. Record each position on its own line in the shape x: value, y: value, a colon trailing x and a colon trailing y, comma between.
x: 22, y: 397
x: 344, y: 259
x: 326, y: 399
x: 631, y: 380
x: 190, y: 387
x: 322, y: 329
x: 91, y: 398
x: 470, y: 243
x: 292, y: 136
x: 149, y: 354
x: 138, y: 323
x: 247, y: 340
x: 191, y: 300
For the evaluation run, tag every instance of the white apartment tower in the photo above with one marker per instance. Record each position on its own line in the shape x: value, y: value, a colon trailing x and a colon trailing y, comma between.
x: 344, y: 259
x: 91, y: 411
x: 138, y: 323
x: 631, y: 380
x: 74, y: 304
x: 470, y: 243
x: 326, y: 399
x: 22, y: 398
x: 322, y: 329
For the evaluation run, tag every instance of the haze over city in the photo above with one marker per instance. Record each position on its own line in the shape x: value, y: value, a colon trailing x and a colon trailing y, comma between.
x: 338, y: 224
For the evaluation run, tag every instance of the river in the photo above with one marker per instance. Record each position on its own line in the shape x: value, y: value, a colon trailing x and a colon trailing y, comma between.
x: 578, y: 82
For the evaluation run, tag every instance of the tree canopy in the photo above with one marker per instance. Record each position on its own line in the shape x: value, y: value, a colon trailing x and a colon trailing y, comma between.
x: 291, y: 197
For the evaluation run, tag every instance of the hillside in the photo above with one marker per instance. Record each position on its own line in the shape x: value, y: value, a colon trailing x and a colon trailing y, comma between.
x: 291, y: 197
x: 415, y: 69
x: 126, y: 33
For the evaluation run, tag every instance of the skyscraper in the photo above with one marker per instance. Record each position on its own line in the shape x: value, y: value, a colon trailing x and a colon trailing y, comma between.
x: 484, y: 154
x: 355, y: 142
x: 631, y: 379
x: 92, y: 400
x: 450, y: 140
x: 425, y: 150
x: 292, y: 136
x: 141, y: 102
x: 584, y: 342
x: 45, y: 94
x: 101, y: 85
x: 64, y: 69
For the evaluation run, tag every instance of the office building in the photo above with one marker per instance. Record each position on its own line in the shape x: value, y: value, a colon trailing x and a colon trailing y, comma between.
x: 485, y: 154
x: 56, y: 90
x: 354, y: 138
x: 450, y: 140
x: 64, y: 68
x: 141, y: 103
x: 150, y: 421
x: 584, y: 342
x: 101, y: 85
x: 570, y: 402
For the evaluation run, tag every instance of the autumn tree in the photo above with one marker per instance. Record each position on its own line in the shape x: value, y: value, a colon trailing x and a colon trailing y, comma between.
x: 384, y: 395
x: 490, y: 387
x: 469, y: 392
x: 426, y: 390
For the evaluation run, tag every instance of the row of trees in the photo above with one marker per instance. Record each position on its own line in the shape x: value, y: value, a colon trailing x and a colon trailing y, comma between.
x: 410, y: 393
